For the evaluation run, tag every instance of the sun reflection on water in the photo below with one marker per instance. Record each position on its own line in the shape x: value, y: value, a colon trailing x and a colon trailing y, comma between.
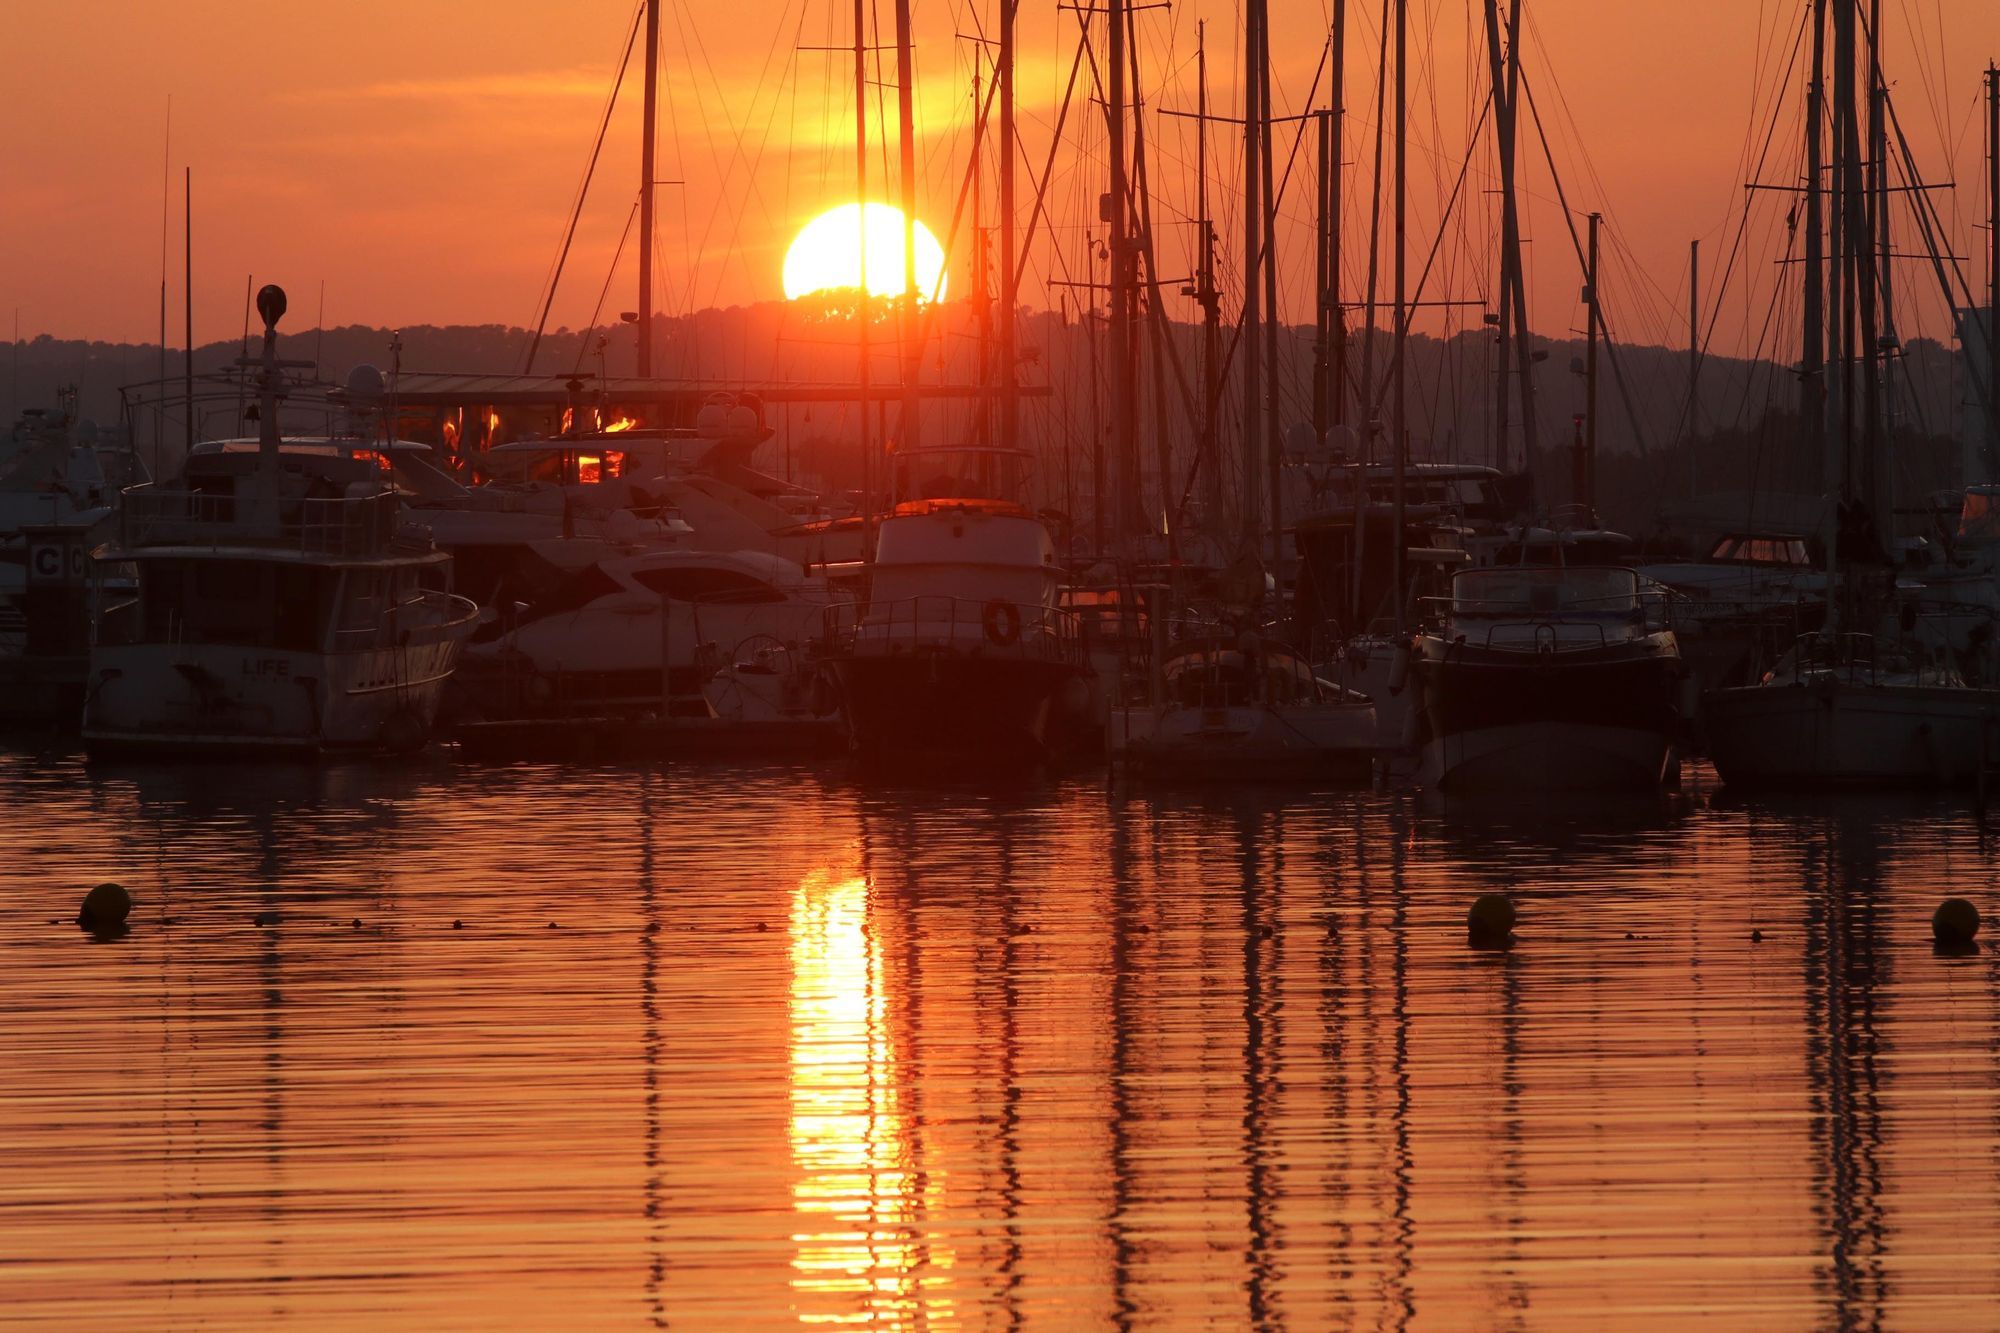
x: 858, y: 1196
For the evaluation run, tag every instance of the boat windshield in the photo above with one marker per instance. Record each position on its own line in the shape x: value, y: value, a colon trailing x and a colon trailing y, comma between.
x: 1735, y: 549
x: 1533, y: 590
x: 1979, y: 515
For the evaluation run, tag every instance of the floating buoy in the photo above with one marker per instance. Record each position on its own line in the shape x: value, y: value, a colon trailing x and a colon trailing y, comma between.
x: 552, y: 925
x: 104, y: 908
x: 1756, y: 937
x: 357, y: 923
x: 1956, y: 921
x: 458, y: 925
x: 1491, y: 919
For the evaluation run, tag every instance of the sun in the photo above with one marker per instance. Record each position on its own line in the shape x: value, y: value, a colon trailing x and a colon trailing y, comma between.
x: 826, y: 254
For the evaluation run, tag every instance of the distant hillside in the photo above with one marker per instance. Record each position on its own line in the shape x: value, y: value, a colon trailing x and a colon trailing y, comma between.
x: 1450, y: 389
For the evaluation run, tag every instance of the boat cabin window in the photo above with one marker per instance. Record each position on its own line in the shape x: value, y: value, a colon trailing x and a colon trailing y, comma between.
x: 1532, y: 590
x: 254, y: 604
x: 1760, y: 551
x: 962, y: 474
x: 1979, y: 516
x: 695, y: 584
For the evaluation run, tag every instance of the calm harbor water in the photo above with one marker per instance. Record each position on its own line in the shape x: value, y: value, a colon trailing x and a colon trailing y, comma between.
x: 765, y: 1047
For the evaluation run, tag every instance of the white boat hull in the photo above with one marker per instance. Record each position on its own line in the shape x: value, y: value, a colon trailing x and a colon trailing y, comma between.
x: 194, y: 697
x: 1548, y: 755
x: 1829, y: 732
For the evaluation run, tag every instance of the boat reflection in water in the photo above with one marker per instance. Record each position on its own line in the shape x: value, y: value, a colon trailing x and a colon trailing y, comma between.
x: 803, y: 1053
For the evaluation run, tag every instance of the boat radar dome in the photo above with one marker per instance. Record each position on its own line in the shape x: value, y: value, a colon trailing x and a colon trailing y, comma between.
x: 1343, y: 441
x: 743, y: 422
x: 365, y: 381
x: 271, y: 304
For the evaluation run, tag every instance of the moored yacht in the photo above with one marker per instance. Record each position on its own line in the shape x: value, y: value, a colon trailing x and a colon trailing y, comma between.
x: 1846, y: 712
x: 1549, y: 677
x: 270, y: 609
x: 962, y: 649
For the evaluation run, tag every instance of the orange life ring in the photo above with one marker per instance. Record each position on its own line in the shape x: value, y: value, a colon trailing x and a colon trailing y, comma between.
x: 1003, y: 622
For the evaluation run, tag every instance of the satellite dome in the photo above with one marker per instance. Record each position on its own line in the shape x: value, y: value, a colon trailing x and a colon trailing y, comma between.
x: 1300, y: 440
x: 743, y: 422
x: 711, y: 421
x: 1343, y: 439
x: 365, y: 381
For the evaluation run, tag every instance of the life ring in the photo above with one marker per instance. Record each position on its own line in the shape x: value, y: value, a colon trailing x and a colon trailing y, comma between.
x: 1003, y: 623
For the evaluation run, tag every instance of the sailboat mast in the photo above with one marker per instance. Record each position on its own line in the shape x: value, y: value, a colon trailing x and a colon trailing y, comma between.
x: 1694, y: 365
x: 906, y: 140
x: 1993, y: 239
x: 1587, y: 473
x: 861, y: 315
x: 1010, y: 408
x: 1124, y: 384
x: 1253, y: 251
x: 1812, y: 362
x: 1205, y: 292
x: 1509, y: 247
x: 647, y: 174
x: 1336, y: 319
x: 1398, y: 428
x: 187, y: 275
x: 1273, y: 446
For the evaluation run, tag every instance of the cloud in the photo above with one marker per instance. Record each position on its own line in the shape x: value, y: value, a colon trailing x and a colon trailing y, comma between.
x: 538, y: 85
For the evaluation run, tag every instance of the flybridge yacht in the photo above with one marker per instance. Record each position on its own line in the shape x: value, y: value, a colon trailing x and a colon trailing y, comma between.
x: 1549, y: 677
x: 962, y: 649
x: 271, y: 607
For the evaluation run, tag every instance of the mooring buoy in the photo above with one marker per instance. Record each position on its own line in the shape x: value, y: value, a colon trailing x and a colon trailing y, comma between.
x: 104, y: 908
x: 1956, y: 921
x: 1491, y: 920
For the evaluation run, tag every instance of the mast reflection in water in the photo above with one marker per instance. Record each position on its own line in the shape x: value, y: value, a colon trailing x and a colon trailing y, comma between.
x: 804, y: 1053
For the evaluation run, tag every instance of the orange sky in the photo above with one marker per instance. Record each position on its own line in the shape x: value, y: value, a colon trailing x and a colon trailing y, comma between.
x: 419, y: 158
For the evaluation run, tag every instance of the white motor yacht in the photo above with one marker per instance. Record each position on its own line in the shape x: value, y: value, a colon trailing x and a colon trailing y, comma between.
x: 270, y: 609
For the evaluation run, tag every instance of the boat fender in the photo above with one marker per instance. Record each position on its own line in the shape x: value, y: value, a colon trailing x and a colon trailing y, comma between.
x: 1399, y: 667
x: 1002, y: 621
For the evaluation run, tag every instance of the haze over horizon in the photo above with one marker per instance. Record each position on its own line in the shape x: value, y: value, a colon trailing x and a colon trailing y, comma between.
x: 421, y: 161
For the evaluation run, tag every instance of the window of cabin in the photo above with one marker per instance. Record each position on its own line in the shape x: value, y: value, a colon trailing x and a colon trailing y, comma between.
x: 695, y: 584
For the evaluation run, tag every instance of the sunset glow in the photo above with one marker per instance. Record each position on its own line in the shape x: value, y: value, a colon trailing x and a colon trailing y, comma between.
x: 826, y: 254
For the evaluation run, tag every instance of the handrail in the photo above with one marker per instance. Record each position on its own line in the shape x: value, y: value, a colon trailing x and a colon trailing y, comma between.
x: 341, y: 526
x: 940, y: 621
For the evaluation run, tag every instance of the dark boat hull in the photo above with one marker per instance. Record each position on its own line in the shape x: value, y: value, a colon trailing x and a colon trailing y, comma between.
x: 1583, y: 719
x: 955, y: 708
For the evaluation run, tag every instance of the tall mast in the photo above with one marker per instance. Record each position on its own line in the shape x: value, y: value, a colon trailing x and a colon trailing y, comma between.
x: 1124, y: 384
x: 1509, y: 242
x: 187, y: 274
x: 1694, y: 365
x: 1398, y: 427
x: 1587, y: 473
x: 1010, y: 408
x: 906, y: 138
x: 647, y: 173
x: 861, y: 241
x: 1993, y: 239
x: 1812, y: 362
x: 1205, y: 292
x: 1253, y: 247
x: 981, y: 301
x: 1273, y: 446
x: 1336, y: 319
x: 1874, y: 474
x: 1322, y: 336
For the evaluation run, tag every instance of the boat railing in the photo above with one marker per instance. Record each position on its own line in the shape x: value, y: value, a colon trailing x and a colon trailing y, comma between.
x: 429, y: 615
x: 996, y: 628
x: 342, y: 526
